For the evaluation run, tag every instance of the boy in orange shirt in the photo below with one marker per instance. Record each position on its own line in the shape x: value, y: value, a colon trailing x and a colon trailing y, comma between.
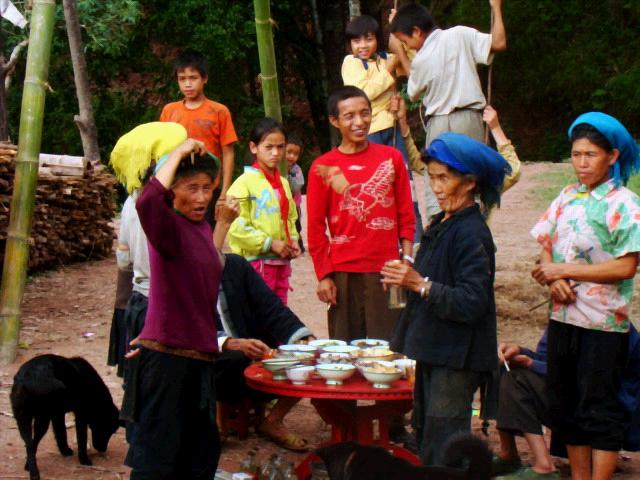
x: 205, y: 120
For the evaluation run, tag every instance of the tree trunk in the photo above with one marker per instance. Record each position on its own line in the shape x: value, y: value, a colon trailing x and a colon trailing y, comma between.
x: 26, y: 175
x: 4, y: 121
x: 354, y: 9
x: 85, y: 120
x: 322, y: 61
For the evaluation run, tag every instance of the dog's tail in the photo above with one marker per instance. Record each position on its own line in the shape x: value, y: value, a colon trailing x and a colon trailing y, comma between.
x: 470, y: 453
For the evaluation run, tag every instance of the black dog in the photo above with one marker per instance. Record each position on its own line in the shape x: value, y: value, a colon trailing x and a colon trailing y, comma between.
x: 467, y: 458
x: 48, y: 386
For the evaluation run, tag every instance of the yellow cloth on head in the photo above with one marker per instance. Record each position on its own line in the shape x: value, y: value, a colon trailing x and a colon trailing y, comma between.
x: 135, y: 150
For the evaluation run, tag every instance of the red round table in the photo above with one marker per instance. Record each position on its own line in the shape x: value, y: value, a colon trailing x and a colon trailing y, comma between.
x: 337, y: 405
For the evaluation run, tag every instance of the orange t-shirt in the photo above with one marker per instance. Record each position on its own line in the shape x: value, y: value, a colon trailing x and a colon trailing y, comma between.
x: 210, y: 123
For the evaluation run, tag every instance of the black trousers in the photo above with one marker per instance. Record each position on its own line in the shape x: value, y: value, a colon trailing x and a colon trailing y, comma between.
x: 583, y: 380
x: 174, y: 435
x: 523, y: 406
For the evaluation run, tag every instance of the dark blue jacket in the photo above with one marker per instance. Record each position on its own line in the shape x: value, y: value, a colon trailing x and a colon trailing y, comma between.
x: 455, y: 326
x: 254, y: 310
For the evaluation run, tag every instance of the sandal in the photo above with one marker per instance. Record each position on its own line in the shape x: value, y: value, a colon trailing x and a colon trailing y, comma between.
x: 280, y: 436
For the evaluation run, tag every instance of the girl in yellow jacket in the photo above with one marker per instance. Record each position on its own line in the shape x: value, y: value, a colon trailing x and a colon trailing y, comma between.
x: 265, y: 232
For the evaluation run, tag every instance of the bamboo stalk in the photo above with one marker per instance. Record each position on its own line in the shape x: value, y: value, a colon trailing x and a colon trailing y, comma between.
x: 268, y: 72
x: 23, y: 199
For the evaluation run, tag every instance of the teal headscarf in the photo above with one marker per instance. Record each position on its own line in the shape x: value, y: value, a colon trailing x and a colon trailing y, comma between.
x: 467, y: 155
x: 628, y: 162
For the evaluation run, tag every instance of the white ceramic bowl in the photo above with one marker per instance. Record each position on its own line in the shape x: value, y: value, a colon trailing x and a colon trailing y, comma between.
x: 320, y: 343
x: 299, y: 375
x: 406, y: 366
x: 369, y: 342
x: 374, y: 353
x: 277, y: 366
x: 379, y: 379
x: 328, y: 357
x: 348, y: 349
x: 335, y: 373
x: 297, y: 347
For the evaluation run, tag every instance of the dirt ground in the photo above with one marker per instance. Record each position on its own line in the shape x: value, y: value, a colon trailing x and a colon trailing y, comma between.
x: 69, y: 311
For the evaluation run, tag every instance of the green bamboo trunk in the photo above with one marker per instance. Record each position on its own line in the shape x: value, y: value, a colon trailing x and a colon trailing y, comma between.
x: 268, y: 72
x: 26, y: 176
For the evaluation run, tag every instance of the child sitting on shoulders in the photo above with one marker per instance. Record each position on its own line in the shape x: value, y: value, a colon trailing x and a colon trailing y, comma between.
x: 265, y: 232
x: 295, y: 146
x: 372, y: 71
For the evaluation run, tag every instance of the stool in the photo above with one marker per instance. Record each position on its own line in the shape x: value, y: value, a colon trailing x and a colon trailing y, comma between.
x: 238, y: 417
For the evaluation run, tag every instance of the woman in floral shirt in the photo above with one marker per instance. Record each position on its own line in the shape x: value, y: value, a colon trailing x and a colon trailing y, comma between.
x: 590, y: 238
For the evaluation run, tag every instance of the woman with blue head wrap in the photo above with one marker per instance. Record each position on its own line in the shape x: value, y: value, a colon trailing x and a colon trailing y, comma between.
x: 590, y: 238
x: 449, y: 324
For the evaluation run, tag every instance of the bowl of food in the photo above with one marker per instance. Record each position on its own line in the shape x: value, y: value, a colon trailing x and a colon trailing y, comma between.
x: 407, y: 367
x: 299, y: 374
x: 348, y: 349
x: 328, y: 357
x: 278, y: 366
x: 289, y: 350
x: 321, y: 343
x: 381, y: 375
x: 369, y: 342
x: 335, y: 373
x: 374, y: 353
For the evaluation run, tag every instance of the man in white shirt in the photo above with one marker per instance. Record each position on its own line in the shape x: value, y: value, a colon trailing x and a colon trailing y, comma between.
x: 444, y: 71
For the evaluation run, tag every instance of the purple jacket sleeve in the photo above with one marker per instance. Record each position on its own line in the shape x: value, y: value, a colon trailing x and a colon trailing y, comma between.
x: 158, y: 219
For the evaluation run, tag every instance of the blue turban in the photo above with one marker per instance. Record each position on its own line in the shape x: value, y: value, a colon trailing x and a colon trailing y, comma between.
x: 619, y: 137
x: 468, y: 156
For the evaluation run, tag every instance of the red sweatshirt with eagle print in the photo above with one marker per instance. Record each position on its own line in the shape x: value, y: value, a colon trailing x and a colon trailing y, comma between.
x: 359, y: 207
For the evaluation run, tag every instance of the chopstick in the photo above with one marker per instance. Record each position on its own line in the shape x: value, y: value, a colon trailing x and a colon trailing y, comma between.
x: 245, y: 199
x: 535, y: 307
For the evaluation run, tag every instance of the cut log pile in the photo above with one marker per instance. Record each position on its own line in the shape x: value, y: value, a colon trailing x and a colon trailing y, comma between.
x: 74, y: 210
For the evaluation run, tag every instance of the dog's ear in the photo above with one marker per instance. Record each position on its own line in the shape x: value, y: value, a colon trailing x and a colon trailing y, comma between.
x: 335, y: 458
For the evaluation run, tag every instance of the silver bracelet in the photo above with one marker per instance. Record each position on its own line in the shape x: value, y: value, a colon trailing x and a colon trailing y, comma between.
x: 408, y: 258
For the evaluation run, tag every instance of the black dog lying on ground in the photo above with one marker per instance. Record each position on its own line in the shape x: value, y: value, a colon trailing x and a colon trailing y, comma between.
x: 467, y: 458
x: 48, y: 386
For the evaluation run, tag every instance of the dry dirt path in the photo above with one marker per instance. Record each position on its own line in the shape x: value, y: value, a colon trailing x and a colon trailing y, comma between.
x: 62, y: 307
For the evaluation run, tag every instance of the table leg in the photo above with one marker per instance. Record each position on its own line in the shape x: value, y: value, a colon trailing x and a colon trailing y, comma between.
x: 352, y: 422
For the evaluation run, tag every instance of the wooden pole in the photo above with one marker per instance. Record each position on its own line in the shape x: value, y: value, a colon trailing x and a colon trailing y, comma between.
x: 26, y: 175
x: 268, y: 72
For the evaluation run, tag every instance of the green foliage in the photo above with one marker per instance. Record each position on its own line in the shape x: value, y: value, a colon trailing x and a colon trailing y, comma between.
x: 108, y: 25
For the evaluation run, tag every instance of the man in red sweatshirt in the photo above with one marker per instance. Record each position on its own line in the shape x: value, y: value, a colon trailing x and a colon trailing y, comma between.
x: 360, y: 214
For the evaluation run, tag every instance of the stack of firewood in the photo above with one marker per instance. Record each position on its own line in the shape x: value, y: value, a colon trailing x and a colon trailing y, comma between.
x: 75, y: 206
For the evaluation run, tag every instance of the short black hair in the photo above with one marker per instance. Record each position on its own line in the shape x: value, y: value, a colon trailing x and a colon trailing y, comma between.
x: 361, y: 26
x: 410, y: 16
x: 343, y: 93
x: 294, y: 139
x: 191, y: 59
x: 584, y: 130
x: 264, y: 127
x: 201, y: 164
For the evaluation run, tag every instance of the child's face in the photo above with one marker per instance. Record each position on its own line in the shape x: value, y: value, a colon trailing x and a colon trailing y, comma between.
x: 353, y: 120
x: 364, y: 47
x: 191, y: 83
x: 269, y: 151
x: 413, y: 41
x: 292, y: 154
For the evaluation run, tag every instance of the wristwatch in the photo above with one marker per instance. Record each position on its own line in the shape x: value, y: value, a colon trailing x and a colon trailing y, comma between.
x: 426, y: 288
